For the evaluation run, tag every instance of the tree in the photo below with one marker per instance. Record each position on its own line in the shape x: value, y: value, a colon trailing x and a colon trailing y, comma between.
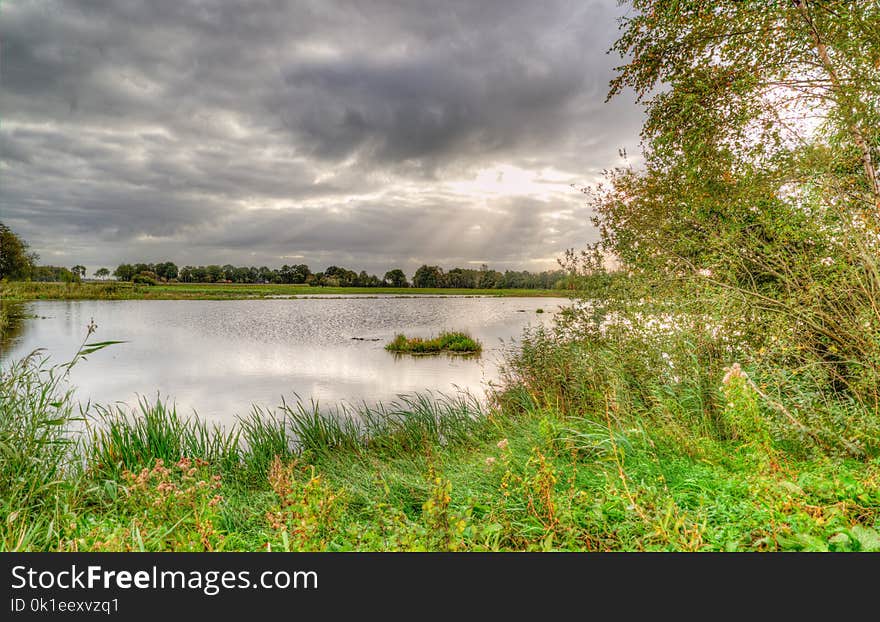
x: 16, y: 262
x: 740, y: 76
x: 124, y: 272
x: 79, y: 270
x: 301, y: 273
x: 267, y: 275
x: 489, y: 279
x: 428, y: 276
x: 102, y: 273
x: 460, y: 277
x: 724, y: 135
x: 396, y: 278
x: 298, y: 274
x: 759, y: 190
x: 214, y: 273
x: 241, y: 275
x: 167, y: 270
x: 52, y: 274
x: 336, y: 276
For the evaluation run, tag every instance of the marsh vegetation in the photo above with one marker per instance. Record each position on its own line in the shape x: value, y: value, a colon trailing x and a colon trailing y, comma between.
x: 450, y: 342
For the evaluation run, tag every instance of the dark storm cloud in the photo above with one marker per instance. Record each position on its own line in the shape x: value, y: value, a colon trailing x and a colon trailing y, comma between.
x: 335, y: 132
x: 425, y: 108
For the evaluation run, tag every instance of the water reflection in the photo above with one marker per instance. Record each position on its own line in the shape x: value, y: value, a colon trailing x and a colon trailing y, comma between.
x: 219, y: 357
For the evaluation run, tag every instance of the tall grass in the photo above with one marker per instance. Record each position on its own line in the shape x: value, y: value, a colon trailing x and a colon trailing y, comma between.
x: 120, y: 440
x: 4, y: 316
x: 35, y: 447
x: 33, y: 290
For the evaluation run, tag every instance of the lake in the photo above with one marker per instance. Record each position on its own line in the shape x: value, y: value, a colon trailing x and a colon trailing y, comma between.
x: 219, y: 357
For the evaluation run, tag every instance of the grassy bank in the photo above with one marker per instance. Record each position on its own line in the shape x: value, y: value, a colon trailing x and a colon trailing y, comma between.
x: 452, y: 342
x: 231, y: 291
x: 564, y: 458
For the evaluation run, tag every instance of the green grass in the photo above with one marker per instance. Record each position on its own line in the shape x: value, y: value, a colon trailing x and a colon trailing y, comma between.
x: 230, y: 291
x: 451, y: 342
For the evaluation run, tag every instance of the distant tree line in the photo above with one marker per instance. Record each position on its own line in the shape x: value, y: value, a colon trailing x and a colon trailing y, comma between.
x: 484, y: 278
x: 17, y: 262
x: 336, y: 276
x: 51, y: 274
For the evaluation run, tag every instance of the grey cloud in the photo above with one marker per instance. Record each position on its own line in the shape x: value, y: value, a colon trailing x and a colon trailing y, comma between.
x: 424, y: 108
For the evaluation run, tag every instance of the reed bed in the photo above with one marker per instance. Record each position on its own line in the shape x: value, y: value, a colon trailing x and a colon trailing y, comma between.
x: 450, y: 342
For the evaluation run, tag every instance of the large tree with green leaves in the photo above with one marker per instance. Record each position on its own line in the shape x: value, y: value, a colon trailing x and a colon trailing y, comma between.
x: 396, y: 278
x: 429, y: 276
x: 758, y: 191
x: 124, y: 272
x: 16, y: 260
x: 749, y: 80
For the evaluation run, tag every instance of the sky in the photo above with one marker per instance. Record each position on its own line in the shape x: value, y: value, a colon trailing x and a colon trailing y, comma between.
x: 368, y: 134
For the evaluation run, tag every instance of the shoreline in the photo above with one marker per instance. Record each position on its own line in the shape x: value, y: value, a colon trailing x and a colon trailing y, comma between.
x: 27, y: 291
x: 419, y: 475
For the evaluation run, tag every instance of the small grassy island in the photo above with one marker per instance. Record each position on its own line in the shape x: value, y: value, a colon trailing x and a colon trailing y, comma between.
x: 454, y: 342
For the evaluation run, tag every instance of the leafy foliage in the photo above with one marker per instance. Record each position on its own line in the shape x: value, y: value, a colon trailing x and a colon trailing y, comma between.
x: 756, y: 213
x: 16, y: 261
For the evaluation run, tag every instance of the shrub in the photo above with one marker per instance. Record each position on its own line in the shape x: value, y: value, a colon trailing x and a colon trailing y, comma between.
x: 145, y: 278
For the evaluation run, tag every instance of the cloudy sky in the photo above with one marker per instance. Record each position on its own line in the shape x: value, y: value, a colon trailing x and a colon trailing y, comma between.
x: 368, y: 134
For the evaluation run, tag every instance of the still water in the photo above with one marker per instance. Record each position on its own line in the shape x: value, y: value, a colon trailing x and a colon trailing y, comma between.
x: 217, y: 358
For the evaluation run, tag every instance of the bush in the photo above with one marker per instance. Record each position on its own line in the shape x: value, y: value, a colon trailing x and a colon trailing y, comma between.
x: 145, y: 278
